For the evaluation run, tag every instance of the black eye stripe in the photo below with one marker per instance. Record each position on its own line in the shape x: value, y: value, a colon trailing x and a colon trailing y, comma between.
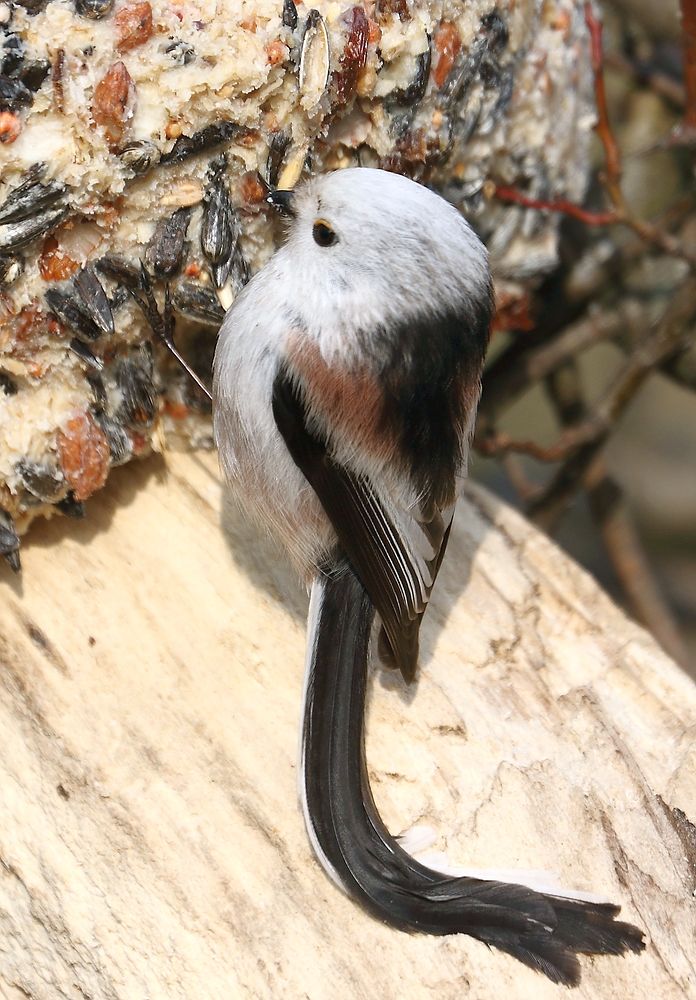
x: 323, y: 234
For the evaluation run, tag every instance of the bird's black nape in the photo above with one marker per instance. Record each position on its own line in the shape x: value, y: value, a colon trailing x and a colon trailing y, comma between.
x: 545, y: 932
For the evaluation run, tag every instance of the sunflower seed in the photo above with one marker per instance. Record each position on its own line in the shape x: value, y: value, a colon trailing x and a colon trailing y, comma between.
x: 13, y: 94
x: 13, y: 51
x: 94, y: 299
x: 84, y: 353
x: 220, y: 227
x: 33, y: 6
x: 165, y: 251
x: 181, y: 52
x: 71, y: 313
x: 289, y: 14
x: 277, y: 148
x: 239, y: 274
x: 8, y: 386
x: 413, y: 94
x: 30, y: 197
x: 71, y: 507
x: 139, y: 156
x: 41, y: 481
x: 94, y: 9
x: 134, y: 377
x: 34, y: 73
x: 120, y: 445
x: 18, y: 234
x: 315, y: 61
x: 197, y: 303
x: 9, y: 541
x: 212, y: 135
x: 120, y: 270
x: 119, y: 298
x: 96, y: 384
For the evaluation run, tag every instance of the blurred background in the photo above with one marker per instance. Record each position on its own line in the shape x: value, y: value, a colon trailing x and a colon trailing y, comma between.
x: 611, y: 333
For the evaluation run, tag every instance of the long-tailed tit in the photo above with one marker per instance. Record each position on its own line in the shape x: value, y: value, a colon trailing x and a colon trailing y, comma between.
x: 347, y: 376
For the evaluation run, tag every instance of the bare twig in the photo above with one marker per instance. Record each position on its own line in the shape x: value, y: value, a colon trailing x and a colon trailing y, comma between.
x: 610, y: 512
x: 612, y: 156
x: 688, y: 13
x: 521, y: 365
x: 560, y: 205
x: 592, y: 433
x: 623, y: 546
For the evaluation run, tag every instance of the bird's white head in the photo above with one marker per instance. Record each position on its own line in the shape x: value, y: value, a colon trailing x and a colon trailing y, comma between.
x: 369, y: 249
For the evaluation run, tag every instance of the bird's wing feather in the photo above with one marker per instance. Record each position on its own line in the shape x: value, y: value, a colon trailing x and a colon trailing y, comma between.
x: 394, y: 552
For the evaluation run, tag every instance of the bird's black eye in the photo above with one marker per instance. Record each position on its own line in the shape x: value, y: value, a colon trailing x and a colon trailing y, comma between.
x: 323, y: 234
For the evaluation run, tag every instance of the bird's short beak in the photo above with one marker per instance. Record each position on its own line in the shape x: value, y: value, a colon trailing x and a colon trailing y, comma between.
x: 284, y: 201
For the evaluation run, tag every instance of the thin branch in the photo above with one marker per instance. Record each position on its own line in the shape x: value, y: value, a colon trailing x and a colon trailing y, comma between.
x: 657, y: 347
x: 521, y: 365
x: 688, y: 13
x: 624, y: 548
x: 560, y: 205
x: 617, y: 530
x: 612, y: 156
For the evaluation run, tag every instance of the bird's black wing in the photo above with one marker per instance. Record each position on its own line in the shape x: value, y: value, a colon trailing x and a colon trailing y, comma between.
x: 395, y: 553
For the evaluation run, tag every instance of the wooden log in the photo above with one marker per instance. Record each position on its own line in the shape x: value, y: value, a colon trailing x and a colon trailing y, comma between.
x: 150, y: 844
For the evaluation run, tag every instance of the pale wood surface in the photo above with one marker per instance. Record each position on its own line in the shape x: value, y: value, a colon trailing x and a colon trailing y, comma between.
x: 150, y: 841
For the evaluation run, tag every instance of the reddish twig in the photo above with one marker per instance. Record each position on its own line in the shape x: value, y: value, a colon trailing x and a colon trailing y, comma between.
x: 688, y: 13
x: 562, y: 206
x: 612, y: 156
x: 611, y: 178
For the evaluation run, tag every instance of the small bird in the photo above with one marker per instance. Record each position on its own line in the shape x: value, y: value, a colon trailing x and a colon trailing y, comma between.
x: 346, y: 380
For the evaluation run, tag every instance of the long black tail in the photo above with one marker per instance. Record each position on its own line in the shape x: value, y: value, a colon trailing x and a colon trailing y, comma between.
x: 545, y: 932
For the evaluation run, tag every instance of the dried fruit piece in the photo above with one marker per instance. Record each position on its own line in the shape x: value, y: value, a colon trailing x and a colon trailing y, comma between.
x: 354, y: 57
x: 84, y: 455
x: 10, y: 127
x: 448, y: 43
x: 113, y: 103
x: 54, y: 263
x: 133, y: 25
x: 276, y: 52
x: 251, y: 189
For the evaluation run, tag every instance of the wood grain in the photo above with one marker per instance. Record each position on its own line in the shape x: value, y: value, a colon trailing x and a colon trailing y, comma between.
x: 151, y: 846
